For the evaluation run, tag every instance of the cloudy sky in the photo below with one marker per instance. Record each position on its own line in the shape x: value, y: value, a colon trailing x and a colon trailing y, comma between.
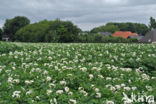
x: 84, y: 13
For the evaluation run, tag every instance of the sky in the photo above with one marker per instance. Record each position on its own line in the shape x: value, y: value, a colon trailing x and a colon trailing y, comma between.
x: 86, y: 14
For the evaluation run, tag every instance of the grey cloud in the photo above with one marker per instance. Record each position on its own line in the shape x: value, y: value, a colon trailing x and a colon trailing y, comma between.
x: 84, y: 13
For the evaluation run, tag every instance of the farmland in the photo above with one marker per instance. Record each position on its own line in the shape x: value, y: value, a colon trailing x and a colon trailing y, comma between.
x: 50, y: 73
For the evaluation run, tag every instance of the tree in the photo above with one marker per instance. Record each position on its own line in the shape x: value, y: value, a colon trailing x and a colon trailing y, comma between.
x: 1, y: 34
x: 34, y: 32
x: 108, y: 28
x: 51, y: 36
x: 11, y: 26
x: 133, y: 27
x: 48, y: 31
x: 152, y: 23
x: 65, y: 30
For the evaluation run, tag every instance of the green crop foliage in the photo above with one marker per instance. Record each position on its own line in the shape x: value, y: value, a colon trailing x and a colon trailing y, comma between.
x: 48, y: 73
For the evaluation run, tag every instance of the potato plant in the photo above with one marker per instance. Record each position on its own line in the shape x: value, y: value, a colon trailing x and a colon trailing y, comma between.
x: 46, y: 73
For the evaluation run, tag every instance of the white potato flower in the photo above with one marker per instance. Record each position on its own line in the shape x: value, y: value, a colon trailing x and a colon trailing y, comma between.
x: 37, y: 97
x: 48, y: 78
x: 10, y: 80
x: 70, y: 93
x: 59, y: 91
x: 91, y: 76
x: 98, y: 95
x: 52, y: 85
x: 108, y: 86
x: 149, y: 88
x: 123, y: 85
x: 73, y: 101
x: 145, y: 77
x: 49, y: 92
x: 92, y: 86
x: 80, y: 88
x: 16, y: 94
x: 66, y: 89
x: 29, y: 92
x: 117, y: 87
x: 109, y: 102
x: 63, y: 83
x: 45, y: 72
x: 84, y: 92
x: 126, y: 69
x: 127, y: 88
x: 134, y: 88
x: 108, y: 78
x: 15, y: 57
x: 16, y: 81
x: 28, y: 82
x: 53, y: 101
x: 100, y: 76
x: 84, y: 69
x: 153, y: 77
x: 13, y: 68
x: 112, y: 88
x: 97, y: 90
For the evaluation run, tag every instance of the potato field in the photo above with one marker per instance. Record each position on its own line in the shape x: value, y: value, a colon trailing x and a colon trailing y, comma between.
x: 73, y: 73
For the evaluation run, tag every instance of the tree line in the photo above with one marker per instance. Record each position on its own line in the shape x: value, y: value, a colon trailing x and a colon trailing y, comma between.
x: 133, y: 27
x: 20, y: 29
x: 139, y: 28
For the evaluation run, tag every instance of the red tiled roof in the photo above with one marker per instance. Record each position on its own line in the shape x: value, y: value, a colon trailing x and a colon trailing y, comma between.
x: 124, y: 34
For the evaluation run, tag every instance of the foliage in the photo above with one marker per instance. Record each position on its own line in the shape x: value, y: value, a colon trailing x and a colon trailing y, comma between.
x: 51, y: 36
x: 99, y: 38
x: 133, y: 27
x: 107, y: 28
x: 19, y: 29
x: 65, y: 30
x: 152, y: 23
x: 11, y: 26
x: 112, y: 27
x: 34, y: 32
x: 48, y: 31
x: 1, y: 34
x: 76, y: 73
x: 7, y: 47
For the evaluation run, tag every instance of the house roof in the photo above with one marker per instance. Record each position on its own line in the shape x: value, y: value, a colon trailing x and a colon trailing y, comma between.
x: 124, y: 34
x: 149, y: 37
